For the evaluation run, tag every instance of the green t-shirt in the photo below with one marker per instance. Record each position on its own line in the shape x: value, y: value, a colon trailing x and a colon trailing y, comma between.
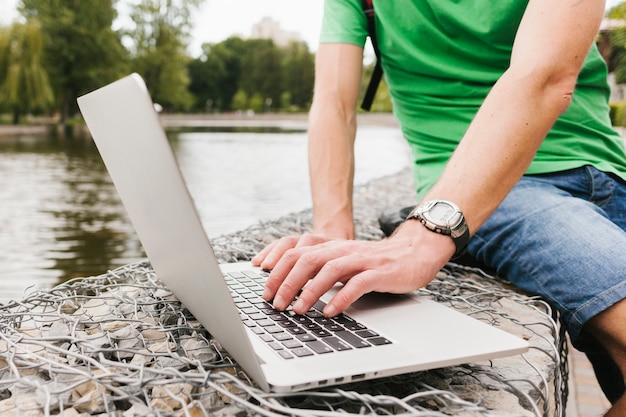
x: 441, y: 58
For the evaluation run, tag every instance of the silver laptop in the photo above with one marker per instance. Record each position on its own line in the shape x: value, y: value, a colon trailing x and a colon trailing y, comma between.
x: 380, y: 335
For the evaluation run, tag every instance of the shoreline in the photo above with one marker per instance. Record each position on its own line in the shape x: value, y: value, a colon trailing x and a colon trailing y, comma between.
x: 285, y: 120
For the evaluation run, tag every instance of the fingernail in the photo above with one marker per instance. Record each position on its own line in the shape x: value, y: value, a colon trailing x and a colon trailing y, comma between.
x: 267, y: 294
x: 330, y: 310
x: 279, y: 303
x: 298, y: 306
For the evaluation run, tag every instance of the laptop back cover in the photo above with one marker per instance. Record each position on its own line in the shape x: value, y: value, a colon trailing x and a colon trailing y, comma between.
x: 135, y: 150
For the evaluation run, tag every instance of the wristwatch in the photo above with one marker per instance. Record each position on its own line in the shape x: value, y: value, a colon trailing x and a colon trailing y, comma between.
x: 446, y: 218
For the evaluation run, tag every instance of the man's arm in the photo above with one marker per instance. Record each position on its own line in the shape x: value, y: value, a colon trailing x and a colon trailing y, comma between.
x: 551, y: 44
x: 332, y: 130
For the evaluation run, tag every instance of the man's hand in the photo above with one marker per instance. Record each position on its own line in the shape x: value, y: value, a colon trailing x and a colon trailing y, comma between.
x: 408, y: 260
x: 272, y: 253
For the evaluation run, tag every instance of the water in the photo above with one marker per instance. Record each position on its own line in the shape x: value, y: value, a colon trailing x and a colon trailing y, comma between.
x: 60, y: 216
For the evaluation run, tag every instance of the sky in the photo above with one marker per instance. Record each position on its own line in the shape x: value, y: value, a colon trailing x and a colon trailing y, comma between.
x: 218, y: 19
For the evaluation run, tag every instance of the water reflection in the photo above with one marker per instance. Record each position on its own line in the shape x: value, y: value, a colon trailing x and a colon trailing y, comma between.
x: 60, y: 216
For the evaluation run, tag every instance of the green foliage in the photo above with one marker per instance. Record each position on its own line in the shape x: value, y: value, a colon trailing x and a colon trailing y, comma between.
x: 617, y: 40
x: 617, y: 113
x: 68, y: 47
x: 81, y: 50
x: 285, y: 101
x: 158, y: 47
x: 254, y: 67
x: 298, y: 68
x: 240, y: 101
x: 256, y: 103
x: 382, y: 100
x: 24, y: 85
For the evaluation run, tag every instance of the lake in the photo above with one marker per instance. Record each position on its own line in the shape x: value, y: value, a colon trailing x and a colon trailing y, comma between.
x: 60, y: 216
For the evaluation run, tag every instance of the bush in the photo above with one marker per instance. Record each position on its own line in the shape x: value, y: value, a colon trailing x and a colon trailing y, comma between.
x: 617, y: 113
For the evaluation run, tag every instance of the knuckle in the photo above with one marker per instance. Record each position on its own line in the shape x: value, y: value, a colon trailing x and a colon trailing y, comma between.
x: 332, y: 267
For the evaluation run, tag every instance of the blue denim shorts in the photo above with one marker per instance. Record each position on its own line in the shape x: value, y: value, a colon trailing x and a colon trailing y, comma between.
x: 561, y: 236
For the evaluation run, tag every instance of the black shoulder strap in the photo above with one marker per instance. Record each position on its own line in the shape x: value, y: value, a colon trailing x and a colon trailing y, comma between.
x: 368, y: 98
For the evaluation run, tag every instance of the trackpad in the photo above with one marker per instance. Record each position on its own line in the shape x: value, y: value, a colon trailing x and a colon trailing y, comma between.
x: 376, y: 300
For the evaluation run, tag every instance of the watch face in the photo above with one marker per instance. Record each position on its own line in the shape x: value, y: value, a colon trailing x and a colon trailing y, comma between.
x: 444, y: 214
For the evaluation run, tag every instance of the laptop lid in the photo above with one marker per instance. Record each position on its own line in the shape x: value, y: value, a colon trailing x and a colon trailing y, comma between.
x: 137, y: 155
x: 135, y: 150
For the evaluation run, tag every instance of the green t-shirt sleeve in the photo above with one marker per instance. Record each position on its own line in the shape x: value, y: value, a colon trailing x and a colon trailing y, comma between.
x: 344, y: 22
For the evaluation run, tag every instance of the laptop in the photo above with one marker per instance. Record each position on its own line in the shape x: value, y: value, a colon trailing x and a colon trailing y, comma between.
x: 380, y: 335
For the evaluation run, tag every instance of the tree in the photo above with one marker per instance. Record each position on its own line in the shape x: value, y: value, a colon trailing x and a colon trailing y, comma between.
x: 261, y: 69
x: 158, y: 48
x: 615, y: 54
x: 24, y: 85
x: 298, y: 68
x: 81, y: 50
x: 240, y: 101
x: 282, y: 76
x: 215, y: 74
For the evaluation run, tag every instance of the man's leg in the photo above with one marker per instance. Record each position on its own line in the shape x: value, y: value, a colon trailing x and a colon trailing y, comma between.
x: 609, y: 328
x: 607, y: 372
x: 552, y: 236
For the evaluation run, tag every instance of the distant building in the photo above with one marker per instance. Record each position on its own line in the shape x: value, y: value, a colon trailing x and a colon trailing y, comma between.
x: 269, y: 28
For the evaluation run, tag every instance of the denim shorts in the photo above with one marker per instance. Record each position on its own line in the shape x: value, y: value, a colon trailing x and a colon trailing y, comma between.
x: 561, y: 236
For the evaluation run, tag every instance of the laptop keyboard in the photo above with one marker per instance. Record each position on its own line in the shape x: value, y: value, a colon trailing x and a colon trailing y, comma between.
x: 293, y: 335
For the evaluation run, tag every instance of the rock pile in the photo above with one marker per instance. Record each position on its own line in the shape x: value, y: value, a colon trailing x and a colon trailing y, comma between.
x: 121, y: 344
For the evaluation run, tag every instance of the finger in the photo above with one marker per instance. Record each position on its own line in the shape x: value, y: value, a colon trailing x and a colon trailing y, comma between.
x: 278, y: 275
x: 353, y: 289
x: 293, y: 272
x: 273, y: 253
x: 258, y: 259
x: 340, y: 269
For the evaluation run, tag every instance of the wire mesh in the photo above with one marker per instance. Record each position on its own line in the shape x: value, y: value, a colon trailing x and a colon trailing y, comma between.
x: 122, y: 344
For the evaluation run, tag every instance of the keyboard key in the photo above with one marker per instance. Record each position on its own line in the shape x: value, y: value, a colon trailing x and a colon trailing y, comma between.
x: 306, y: 337
x: 273, y: 329
x: 334, y: 327
x: 367, y: 333
x: 313, y: 314
x: 266, y: 338
x: 300, y: 352
x: 321, y: 332
x: 354, y: 326
x: 301, y: 319
x: 285, y: 354
x: 282, y: 336
x: 295, y: 330
x: 378, y: 341
x: 319, y: 347
x: 292, y: 344
x: 257, y: 316
x: 353, y: 339
x: 337, y: 343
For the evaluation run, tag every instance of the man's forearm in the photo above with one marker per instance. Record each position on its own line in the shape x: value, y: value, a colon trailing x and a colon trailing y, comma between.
x: 331, y: 168
x: 332, y: 129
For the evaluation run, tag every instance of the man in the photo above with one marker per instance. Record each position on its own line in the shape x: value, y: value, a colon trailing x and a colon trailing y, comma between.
x: 505, y: 107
